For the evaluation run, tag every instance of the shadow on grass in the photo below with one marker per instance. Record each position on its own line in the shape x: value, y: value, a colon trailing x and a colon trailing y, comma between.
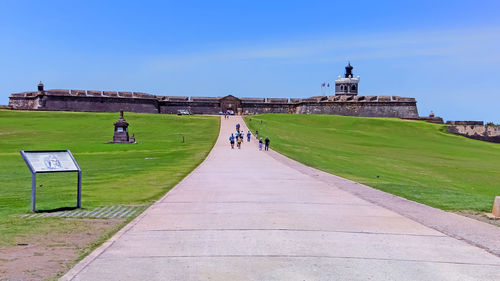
x: 56, y: 210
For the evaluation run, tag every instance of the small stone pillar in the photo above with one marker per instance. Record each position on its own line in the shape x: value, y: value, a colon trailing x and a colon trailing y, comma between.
x: 496, y: 207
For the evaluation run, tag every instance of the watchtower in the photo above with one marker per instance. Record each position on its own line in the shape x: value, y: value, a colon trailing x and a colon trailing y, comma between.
x: 347, y: 85
x: 40, y: 86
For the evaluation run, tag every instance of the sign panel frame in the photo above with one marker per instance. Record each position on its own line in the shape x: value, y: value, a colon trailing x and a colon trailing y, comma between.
x: 52, y: 165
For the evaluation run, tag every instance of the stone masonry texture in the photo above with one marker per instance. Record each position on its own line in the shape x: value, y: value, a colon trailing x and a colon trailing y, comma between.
x: 108, y: 101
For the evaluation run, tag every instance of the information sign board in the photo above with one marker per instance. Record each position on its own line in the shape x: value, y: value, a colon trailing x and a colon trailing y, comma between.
x: 51, y: 161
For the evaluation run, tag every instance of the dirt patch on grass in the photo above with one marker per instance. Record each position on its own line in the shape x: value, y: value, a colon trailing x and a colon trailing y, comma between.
x: 480, y: 216
x: 47, y: 256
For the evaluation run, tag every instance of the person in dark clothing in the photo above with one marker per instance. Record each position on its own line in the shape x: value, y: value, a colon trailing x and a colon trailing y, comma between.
x: 267, y: 141
x: 248, y: 136
x: 231, y: 140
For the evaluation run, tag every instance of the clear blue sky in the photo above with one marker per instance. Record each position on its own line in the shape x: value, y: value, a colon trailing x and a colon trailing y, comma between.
x: 444, y: 53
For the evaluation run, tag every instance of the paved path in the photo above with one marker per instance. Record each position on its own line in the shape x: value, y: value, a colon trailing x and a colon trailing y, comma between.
x: 244, y: 215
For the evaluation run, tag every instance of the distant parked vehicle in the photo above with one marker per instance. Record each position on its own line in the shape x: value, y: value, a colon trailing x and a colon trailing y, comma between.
x: 183, y: 112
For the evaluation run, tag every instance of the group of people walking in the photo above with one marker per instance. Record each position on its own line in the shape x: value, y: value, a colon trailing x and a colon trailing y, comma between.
x: 239, y: 136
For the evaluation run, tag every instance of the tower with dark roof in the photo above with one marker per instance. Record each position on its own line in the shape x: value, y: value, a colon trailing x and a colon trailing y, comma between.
x: 40, y: 86
x: 348, y: 85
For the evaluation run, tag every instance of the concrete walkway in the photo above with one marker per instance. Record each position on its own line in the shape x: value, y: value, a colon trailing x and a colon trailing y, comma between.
x: 244, y: 215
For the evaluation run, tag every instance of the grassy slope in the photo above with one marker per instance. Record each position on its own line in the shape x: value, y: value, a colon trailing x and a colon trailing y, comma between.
x: 415, y: 160
x: 112, y: 173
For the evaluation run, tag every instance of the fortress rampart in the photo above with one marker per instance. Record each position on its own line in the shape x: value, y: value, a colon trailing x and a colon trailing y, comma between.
x: 478, y: 132
x: 81, y: 100
x: 345, y: 102
x: 110, y: 101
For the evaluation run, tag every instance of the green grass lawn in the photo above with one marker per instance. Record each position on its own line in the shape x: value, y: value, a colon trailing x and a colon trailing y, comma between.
x: 415, y: 160
x: 112, y: 173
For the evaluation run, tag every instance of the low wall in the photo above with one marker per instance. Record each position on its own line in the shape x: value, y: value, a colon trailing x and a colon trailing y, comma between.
x: 480, y: 123
x: 267, y: 107
x: 478, y: 132
x: 435, y: 120
x: 361, y: 109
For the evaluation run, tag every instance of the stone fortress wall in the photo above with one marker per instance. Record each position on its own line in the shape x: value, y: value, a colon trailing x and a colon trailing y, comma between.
x: 475, y: 130
x: 345, y: 102
x: 81, y: 100
x: 349, y: 105
x: 107, y: 101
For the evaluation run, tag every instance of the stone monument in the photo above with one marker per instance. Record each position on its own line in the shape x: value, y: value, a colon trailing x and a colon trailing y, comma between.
x: 121, y: 131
